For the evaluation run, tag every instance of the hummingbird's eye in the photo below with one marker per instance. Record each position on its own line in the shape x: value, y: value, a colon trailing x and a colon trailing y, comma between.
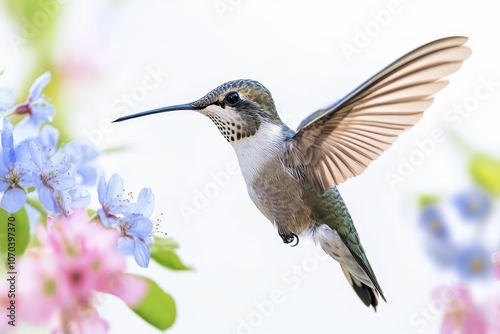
x: 232, y: 98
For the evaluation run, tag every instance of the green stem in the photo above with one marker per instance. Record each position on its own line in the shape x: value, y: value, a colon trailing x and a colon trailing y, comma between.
x: 38, y: 207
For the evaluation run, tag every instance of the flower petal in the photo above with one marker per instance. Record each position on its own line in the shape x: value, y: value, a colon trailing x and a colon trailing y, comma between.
x: 125, y: 245
x: 142, y: 253
x: 13, y: 200
x: 7, y: 138
x: 7, y: 99
x: 38, y: 86
x: 132, y: 290
x: 145, y: 202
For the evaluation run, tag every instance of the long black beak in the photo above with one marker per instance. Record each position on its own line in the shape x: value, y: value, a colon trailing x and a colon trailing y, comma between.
x: 187, y: 106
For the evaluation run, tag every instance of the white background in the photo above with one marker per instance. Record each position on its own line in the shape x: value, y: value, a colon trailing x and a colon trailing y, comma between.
x: 294, y: 49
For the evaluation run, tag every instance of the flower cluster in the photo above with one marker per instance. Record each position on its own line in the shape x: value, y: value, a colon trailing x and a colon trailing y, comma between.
x: 470, y: 259
x: 73, y: 258
x: 130, y: 219
x: 460, y: 232
x: 76, y: 260
x: 462, y: 314
x: 31, y: 159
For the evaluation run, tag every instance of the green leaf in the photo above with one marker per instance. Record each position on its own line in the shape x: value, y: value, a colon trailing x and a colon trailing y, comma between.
x: 163, y: 252
x: 157, y: 307
x: 14, y: 232
x: 426, y: 200
x: 485, y: 171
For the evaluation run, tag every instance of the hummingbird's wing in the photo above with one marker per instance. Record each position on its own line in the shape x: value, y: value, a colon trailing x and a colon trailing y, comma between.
x: 341, y: 141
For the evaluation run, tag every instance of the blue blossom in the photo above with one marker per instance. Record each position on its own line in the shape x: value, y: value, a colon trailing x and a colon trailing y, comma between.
x: 36, y: 106
x: 473, y: 261
x: 130, y: 219
x: 136, y: 228
x: 47, y: 140
x: 473, y: 205
x: 135, y: 231
x: 111, y: 198
x: 82, y: 154
x: 15, y: 171
x: 7, y: 99
x: 53, y: 174
x: 433, y: 223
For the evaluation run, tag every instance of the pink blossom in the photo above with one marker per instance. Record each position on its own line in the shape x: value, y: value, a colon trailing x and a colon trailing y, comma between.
x: 495, y: 258
x: 76, y: 260
x: 461, y: 314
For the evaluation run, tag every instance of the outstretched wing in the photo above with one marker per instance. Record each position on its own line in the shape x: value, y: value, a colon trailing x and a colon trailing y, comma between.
x: 341, y: 141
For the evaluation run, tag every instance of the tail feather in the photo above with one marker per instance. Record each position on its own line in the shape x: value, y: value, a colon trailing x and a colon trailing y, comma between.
x: 368, y: 295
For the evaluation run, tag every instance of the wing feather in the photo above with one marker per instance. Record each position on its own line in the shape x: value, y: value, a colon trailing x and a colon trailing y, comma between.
x: 339, y: 142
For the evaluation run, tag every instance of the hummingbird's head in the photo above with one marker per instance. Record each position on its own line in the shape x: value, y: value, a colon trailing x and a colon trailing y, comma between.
x: 238, y: 108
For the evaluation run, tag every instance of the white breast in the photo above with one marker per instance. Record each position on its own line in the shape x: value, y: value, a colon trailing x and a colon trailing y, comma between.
x: 257, y: 151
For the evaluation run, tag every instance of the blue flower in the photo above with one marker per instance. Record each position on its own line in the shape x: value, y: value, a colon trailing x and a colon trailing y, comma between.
x: 7, y: 99
x: 82, y: 154
x: 136, y: 228
x: 111, y: 198
x: 53, y: 174
x: 473, y: 261
x: 36, y: 106
x: 432, y: 221
x: 473, y: 205
x: 135, y: 231
x: 131, y: 220
x: 15, y: 171
x: 47, y: 140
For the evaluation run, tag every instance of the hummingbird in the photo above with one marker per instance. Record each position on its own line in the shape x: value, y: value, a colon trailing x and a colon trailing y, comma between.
x: 291, y: 176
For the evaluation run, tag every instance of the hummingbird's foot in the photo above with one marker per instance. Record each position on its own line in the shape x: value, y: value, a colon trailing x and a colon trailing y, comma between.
x: 289, y: 238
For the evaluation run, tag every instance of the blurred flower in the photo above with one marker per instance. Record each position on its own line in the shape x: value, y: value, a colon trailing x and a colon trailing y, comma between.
x: 112, y: 201
x: 443, y: 252
x: 433, y: 223
x: 36, y: 106
x: 495, y: 259
x: 75, y: 260
x: 7, y: 99
x: 491, y: 309
x: 82, y: 154
x: 473, y: 261
x: 54, y: 174
x: 473, y: 205
x: 461, y: 314
x: 15, y: 171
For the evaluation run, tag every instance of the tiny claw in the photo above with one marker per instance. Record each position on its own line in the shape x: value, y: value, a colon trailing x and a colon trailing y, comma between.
x: 289, y: 238
x: 295, y: 236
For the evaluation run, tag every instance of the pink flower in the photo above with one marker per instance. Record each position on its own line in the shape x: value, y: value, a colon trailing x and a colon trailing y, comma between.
x: 495, y: 258
x: 76, y: 260
x: 461, y: 314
